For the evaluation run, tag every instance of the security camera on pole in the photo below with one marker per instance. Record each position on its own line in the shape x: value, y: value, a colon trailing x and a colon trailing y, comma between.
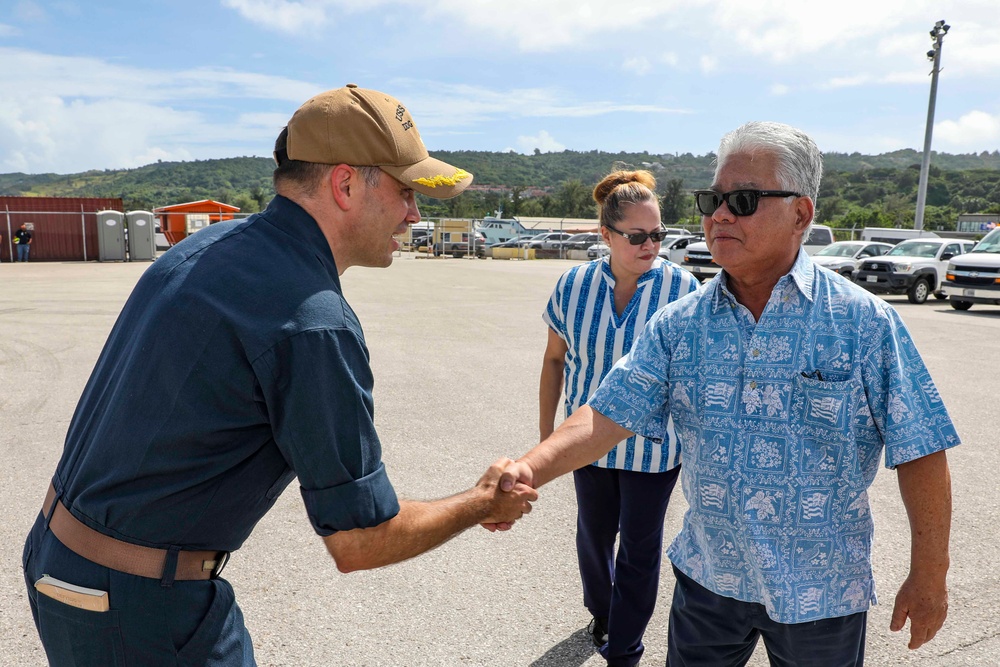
x: 934, y: 55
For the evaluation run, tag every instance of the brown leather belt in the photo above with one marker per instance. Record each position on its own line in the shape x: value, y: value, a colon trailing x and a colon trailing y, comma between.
x: 126, y: 557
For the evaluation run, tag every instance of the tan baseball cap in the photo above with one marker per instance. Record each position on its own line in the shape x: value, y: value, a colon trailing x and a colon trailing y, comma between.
x: 362, y: 127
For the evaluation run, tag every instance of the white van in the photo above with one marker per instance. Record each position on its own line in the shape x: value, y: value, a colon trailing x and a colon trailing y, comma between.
x: 893, y: 235
x: 820, y: 236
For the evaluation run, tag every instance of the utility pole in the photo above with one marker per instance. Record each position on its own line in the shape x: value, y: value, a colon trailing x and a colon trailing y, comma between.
x: 934, y: 55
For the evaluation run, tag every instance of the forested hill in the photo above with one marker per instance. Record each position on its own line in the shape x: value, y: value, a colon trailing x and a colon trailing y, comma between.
x: 857, y: 189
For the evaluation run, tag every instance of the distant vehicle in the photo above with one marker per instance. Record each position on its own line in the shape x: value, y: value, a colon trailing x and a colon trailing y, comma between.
x: 673, y: 248
x: 510, y: 243
x: 915, y: 268
x: 820, y: 236
x: 893, y: 235
x: 548, y: 240
x: 975, y: 277
x: 460, y: 246
x: 598, y: 250
x: 844, y: 257
x: 698, y: 260
x: 581, y: 241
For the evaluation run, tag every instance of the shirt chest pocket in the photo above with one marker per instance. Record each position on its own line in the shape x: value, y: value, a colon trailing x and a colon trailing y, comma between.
x: 823, y: 414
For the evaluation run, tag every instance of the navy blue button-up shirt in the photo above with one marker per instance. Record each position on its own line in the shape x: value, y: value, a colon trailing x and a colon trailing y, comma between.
x: 235, y: 365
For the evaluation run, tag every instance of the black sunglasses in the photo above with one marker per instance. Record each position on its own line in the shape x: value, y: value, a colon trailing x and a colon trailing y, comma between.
x: 740, y: 202
x: 640, y: 237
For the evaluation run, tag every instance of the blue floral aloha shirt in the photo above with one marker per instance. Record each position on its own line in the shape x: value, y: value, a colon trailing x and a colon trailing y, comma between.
x: 781, y: 424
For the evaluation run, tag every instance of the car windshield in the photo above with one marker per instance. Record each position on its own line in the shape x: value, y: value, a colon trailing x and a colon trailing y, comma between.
x: 914, y: 249
x: 837, y: 250
x: 990, y: 243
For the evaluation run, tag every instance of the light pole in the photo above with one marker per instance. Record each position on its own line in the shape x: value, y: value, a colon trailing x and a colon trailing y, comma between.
x: 934, y: 55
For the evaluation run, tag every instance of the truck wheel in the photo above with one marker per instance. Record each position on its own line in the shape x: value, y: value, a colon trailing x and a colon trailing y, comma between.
x: 960, y: 305
x: 847, y: 273
x: 919, y: 291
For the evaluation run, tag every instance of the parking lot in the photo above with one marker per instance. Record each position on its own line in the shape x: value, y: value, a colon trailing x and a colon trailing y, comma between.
x: 456, y: 347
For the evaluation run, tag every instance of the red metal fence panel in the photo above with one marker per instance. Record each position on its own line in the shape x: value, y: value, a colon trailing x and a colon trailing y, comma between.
x: 65, y: 227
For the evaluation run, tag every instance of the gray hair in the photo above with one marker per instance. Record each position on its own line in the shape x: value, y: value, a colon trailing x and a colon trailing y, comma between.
x: 800, y: 164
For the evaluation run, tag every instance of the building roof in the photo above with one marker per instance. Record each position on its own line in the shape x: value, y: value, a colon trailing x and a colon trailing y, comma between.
x: 203, y: 206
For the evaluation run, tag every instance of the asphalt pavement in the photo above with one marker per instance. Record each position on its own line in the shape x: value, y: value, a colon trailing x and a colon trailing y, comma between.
x: 456, y: 349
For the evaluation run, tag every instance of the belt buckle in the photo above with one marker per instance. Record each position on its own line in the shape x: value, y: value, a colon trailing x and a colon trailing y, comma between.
x: 217, y: 565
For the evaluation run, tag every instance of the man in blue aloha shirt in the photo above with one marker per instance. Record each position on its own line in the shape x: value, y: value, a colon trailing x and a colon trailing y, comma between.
x: 785, y: 382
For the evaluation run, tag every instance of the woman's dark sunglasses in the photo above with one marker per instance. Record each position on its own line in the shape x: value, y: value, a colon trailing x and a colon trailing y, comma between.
x: 740, y: 202
x: 640, y: 237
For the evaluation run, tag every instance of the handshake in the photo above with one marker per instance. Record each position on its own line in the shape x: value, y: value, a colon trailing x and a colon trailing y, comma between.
x: 507, y: 486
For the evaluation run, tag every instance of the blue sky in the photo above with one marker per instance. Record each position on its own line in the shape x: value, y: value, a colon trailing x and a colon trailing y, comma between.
x: 114, y: 84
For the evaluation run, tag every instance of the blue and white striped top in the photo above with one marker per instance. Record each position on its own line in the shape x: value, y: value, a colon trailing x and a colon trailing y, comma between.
x: 582, y: 311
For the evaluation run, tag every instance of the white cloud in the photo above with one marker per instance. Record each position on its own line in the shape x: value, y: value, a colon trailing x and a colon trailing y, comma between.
x: 29, y: 11
x: 670, y: 58
x: 639, y: 66
x: 8, y: 30
x: 970, y: 131
x: 444, y: 106
x: 283, y: 15
x: 73, y: 114
x: 543, y: 141
x: 708, y: 64
x: 779, y: 89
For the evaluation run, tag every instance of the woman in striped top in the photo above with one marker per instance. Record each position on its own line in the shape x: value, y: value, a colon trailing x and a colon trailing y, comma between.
x: 595, y: 312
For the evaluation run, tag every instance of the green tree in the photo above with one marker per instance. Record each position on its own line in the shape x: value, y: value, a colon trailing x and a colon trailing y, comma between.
x: 675, y: 203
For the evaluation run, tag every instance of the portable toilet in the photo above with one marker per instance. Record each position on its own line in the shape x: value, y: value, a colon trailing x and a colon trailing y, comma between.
x: 110, y: 236
x: 141, y: 242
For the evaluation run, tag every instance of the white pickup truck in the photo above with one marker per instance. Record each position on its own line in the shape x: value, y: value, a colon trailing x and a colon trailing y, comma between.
x: 915, y: 268
x: 975, y: 277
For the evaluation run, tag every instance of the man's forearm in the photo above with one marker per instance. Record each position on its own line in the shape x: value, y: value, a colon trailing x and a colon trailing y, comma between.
x: 925, y: 487
x: 419, y: 527
x: 583, y: 438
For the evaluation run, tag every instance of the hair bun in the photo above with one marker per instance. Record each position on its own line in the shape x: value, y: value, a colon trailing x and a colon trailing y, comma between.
x: 616, y: 179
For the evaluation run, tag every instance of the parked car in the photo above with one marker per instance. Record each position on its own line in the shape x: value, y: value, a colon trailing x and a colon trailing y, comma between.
x: 548, y: 240
x: 674, y: 247
x: 459, y: 246
x: 598, y: 250
x: 509, y: 243
x: 915, y: 268
x: 844, y: 257
x: 975, y: 277
x: 698, y: 260
x: 581, y: 241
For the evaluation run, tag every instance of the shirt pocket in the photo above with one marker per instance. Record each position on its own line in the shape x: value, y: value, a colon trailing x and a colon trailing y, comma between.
x: 823, y: 414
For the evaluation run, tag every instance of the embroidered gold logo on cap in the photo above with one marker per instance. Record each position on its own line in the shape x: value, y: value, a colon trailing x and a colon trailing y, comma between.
x: 442, y: 180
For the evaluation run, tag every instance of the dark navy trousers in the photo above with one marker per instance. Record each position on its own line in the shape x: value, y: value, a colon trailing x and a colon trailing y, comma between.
x: 711, y: 630
x: 621, y: 588
x: 186, y: 623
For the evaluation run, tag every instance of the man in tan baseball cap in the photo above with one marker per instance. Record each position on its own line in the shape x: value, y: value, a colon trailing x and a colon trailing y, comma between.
x: 333, y: 158
x: 245, y: 326
x: 356, y: 126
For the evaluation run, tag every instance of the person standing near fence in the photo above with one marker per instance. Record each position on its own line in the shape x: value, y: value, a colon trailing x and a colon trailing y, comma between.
x: 22, y: 239
x: 593, y: 315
